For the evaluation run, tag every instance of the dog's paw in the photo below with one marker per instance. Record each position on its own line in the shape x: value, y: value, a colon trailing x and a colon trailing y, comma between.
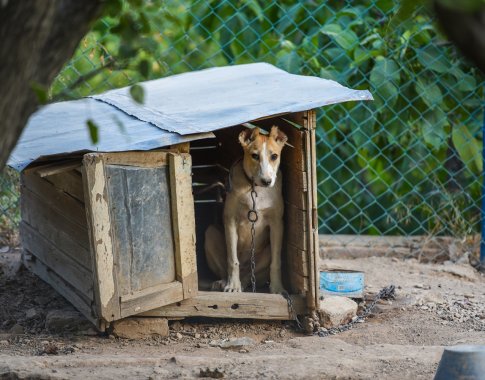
x: 218, y: 286
x: 233, y: 286
x: 276, y: 288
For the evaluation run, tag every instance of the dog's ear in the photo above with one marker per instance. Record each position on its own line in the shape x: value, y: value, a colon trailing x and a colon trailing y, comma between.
x: 247, y: 136
x: 278, y: 136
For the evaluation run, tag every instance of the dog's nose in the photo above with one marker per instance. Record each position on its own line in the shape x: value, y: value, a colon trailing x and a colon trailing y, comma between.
x: 265, y: 181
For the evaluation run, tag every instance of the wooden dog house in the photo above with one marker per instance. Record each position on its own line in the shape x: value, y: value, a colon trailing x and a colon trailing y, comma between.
x: 117, y: 228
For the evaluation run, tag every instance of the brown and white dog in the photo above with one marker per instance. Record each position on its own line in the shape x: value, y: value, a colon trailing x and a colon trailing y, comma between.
x: 228, y: 253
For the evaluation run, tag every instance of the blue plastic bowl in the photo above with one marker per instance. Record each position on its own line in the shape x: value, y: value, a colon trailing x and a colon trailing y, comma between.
x: 340, y: 282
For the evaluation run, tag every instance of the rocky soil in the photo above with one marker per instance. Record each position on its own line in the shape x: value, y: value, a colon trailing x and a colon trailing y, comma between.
x: 43, y: 337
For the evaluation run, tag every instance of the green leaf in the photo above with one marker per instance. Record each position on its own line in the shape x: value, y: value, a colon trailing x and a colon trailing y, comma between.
x: 430, y: 93
x: 290, y: 62
x: 385, y: 77
x: 93, y: 131
x: 434, y: 58
x: 144, y: 68
x: 256, y: 8
x: 137, y: 93
x: 404, y: 13
x: 40, y: 92
x: 467, y: 83
x: 432, y: 125
x: 468, y: 147
x: 119, y: 123
x: 347, y: 39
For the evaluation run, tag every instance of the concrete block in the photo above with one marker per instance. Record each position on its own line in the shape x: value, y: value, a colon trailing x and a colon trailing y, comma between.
x: 140, y: 327
x: 336, y: 311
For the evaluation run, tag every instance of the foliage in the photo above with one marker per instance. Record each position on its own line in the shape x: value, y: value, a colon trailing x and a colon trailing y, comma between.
x: 386, y: 167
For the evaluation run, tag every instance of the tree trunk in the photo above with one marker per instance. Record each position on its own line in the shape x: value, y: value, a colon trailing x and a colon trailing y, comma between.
x: 466, y: 29
x: 37, y: 37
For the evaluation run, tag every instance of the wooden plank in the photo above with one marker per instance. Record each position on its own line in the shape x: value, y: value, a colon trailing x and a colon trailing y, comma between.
x: 298, y: 260
x: 139, y: 159
x: 294, y: 186
x: 183, y: 217
x: 149, y: 298
x: 310, y: 154
x: 70, y: 182
x: 56, y: 168
x: 66, y: 205
x: 314, y: 252
x: 295, y: 227
x: 56, y: 260
x: 38, y: 211
x: 99, y: 221
x: 53, y: 228
x: 181, y: 147
x: 299, y: 285
x: 60, y: 285
x: 232, y: 305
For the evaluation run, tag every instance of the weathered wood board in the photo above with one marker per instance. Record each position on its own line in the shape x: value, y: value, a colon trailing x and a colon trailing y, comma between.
x: 141, y: 221
x: 232, y: 305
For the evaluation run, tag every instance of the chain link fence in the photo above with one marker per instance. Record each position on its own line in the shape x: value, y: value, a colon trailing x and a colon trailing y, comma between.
x: 404, y: 169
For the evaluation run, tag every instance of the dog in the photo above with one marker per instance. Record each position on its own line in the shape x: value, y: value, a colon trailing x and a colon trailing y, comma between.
x: 228, y: 251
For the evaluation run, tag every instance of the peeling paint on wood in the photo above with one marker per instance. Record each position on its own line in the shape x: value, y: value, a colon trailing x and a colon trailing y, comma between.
x: 102, y: 238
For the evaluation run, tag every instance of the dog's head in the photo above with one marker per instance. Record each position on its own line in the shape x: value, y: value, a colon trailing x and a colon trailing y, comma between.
x: 262, y: 154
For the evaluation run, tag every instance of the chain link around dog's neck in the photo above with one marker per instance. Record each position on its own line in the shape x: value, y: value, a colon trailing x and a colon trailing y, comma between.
x: 253, y: 218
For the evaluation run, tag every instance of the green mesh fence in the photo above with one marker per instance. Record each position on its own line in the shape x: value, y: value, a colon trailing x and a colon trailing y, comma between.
x: 407, y: 164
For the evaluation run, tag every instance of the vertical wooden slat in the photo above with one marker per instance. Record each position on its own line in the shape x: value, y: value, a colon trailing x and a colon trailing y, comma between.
x: 99, y: 223
x: 183, y: 222
x: 312, y: 232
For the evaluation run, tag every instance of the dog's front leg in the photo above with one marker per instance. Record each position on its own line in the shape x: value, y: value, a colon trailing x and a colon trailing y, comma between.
x: 276, y: 240
x: 233, y: 277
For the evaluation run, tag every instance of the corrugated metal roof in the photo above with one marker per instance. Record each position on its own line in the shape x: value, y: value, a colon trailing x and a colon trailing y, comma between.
x: 179, y: 108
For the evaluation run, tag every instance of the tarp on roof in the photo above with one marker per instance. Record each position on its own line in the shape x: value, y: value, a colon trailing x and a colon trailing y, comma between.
x: 60, y: 129
x: 179, y: 108
x: 211, y: 99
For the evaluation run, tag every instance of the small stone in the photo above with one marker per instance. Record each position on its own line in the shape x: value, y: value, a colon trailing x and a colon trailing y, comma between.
x: 336, y: 311
x: 66, y: 320
x: 243, y: 351
x: 179, y: 336
x: 4, y: 249
x: 16, y: 329
x: 237, y: 342
x: 197, y: 336
x: 4, y: 343
x: 268, y: 341
x: 31, y: 313
x: 111, y: 336
x: 419, y: 286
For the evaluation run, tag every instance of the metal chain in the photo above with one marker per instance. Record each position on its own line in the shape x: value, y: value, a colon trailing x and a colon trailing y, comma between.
x: 385, y: 293
x: 253, y: 218
x: 291, y: 309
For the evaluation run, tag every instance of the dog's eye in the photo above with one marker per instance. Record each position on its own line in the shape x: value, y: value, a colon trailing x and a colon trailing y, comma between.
x: 255, y: 156
x: 274, y: 156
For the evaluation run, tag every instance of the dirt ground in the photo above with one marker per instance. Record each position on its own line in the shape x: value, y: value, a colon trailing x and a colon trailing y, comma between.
x: 437, y: 305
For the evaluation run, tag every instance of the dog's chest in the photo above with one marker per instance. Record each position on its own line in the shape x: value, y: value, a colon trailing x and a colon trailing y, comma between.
x: 268, y: 204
